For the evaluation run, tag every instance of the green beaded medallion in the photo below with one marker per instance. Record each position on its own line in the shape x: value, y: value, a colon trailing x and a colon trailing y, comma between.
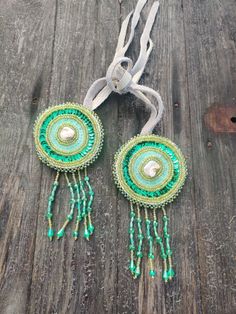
x: 68, y: 137
x: 150, y: 170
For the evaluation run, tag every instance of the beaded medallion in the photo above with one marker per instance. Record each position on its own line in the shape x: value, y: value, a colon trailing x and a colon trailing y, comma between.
x: 150, y: 171
x: 69, y: 138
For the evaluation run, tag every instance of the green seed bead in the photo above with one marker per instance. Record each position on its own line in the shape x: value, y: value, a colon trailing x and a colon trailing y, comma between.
x: 139, y: 254
x: 69, y: 217
x: 86, y: 178
x: 165, y: 218
x: 91, y: 229
x: 132, y: 267
x: 132, y: 214
x: 50, y: 233
x: 51, y: 198
x: 131, y: 247
x: 165, y: 275
x: 75, y: 234
x: 140, y: 237
x: 171, y: 273
x: 49, y: 215
x: 86, y: 234
x: 60, y: 233
x: 163, y: 255
x: 131, y: 231
x: 151, y: 256
x: 152, y: 273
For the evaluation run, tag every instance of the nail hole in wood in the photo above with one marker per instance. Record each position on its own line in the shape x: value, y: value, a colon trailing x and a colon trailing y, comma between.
x: 233, y: 119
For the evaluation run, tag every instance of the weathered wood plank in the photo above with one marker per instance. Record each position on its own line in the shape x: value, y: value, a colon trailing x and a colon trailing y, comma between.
x: 25, y: 57
x: 210, y: 47
x: 166, y: 71
x: 81, y: 276
x: 50, y: 52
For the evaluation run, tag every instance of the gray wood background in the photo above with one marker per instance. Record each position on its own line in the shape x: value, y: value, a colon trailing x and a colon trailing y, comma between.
x: 50, y: 52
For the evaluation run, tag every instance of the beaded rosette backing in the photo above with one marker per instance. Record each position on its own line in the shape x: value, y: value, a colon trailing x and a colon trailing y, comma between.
x: 150, y: 171
x: 69, y: 138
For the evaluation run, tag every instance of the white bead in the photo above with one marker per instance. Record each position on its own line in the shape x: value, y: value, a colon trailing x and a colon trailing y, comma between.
x: 67, y: 133
x: 151, y: 168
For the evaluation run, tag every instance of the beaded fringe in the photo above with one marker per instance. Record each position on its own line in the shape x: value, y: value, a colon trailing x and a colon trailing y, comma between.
x: 148, y: 230
x: 81, y: 199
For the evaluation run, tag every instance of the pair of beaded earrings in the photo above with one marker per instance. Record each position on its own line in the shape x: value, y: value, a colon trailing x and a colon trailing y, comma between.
x: 149, y: 170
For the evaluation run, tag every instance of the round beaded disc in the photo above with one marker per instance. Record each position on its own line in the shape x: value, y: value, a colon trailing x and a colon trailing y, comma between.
x: 150, y: 170
x: 68, y: 136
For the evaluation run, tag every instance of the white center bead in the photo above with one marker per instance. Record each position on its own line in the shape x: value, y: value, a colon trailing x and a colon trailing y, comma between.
x: 67, y: 133
x: 151, y: 168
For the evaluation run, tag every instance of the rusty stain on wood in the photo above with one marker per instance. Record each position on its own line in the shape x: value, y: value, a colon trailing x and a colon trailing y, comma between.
x: 221, y: 119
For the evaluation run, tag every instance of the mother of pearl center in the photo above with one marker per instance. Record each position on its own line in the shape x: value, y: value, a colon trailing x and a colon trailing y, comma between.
x: 66, y: 133
x: 151, y: 168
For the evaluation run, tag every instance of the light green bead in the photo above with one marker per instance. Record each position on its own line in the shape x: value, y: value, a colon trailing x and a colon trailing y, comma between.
x: 165, y: 275
x: 171, y: 273
x: 86, y: 234
x: 91, y: 229
x: 152, y: 273
x: 50, y: 233
x: 60, y: 233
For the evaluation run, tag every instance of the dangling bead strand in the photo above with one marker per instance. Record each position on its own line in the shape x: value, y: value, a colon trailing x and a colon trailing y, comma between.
x: 140, y: 243
x: 49, y: 209
x: 159, y: 241
x: 131, y: 239
x: 170, y: 272
x: 69, y: 217
x: 89, y: 207
x: 78, y: 203
x: 152, y: 272
x: 84, y: 212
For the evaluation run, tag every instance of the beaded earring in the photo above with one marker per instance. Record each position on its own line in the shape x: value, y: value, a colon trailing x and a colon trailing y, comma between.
x: 68, y: 138
x: 149, y: 170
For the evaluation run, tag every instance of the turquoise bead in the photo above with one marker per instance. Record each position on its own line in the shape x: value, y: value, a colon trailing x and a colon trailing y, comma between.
x: 171, y: 273
x: 69, y: 217
x: 86, y: 234
x: 151, y: 256
x: 91, y: 229
x: 163, y: 255
x: 140, y: 237
x: 139, y: 254
x: 131, y: 247
x: 132, y: 267
x: 165, y: 276
x: 50, y: 233
x: 60, y: 233
x: 152, y: 273
x: 75, y: 234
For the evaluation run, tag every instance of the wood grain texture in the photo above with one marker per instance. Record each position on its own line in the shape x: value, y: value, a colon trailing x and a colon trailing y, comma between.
x: 51, y: 52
